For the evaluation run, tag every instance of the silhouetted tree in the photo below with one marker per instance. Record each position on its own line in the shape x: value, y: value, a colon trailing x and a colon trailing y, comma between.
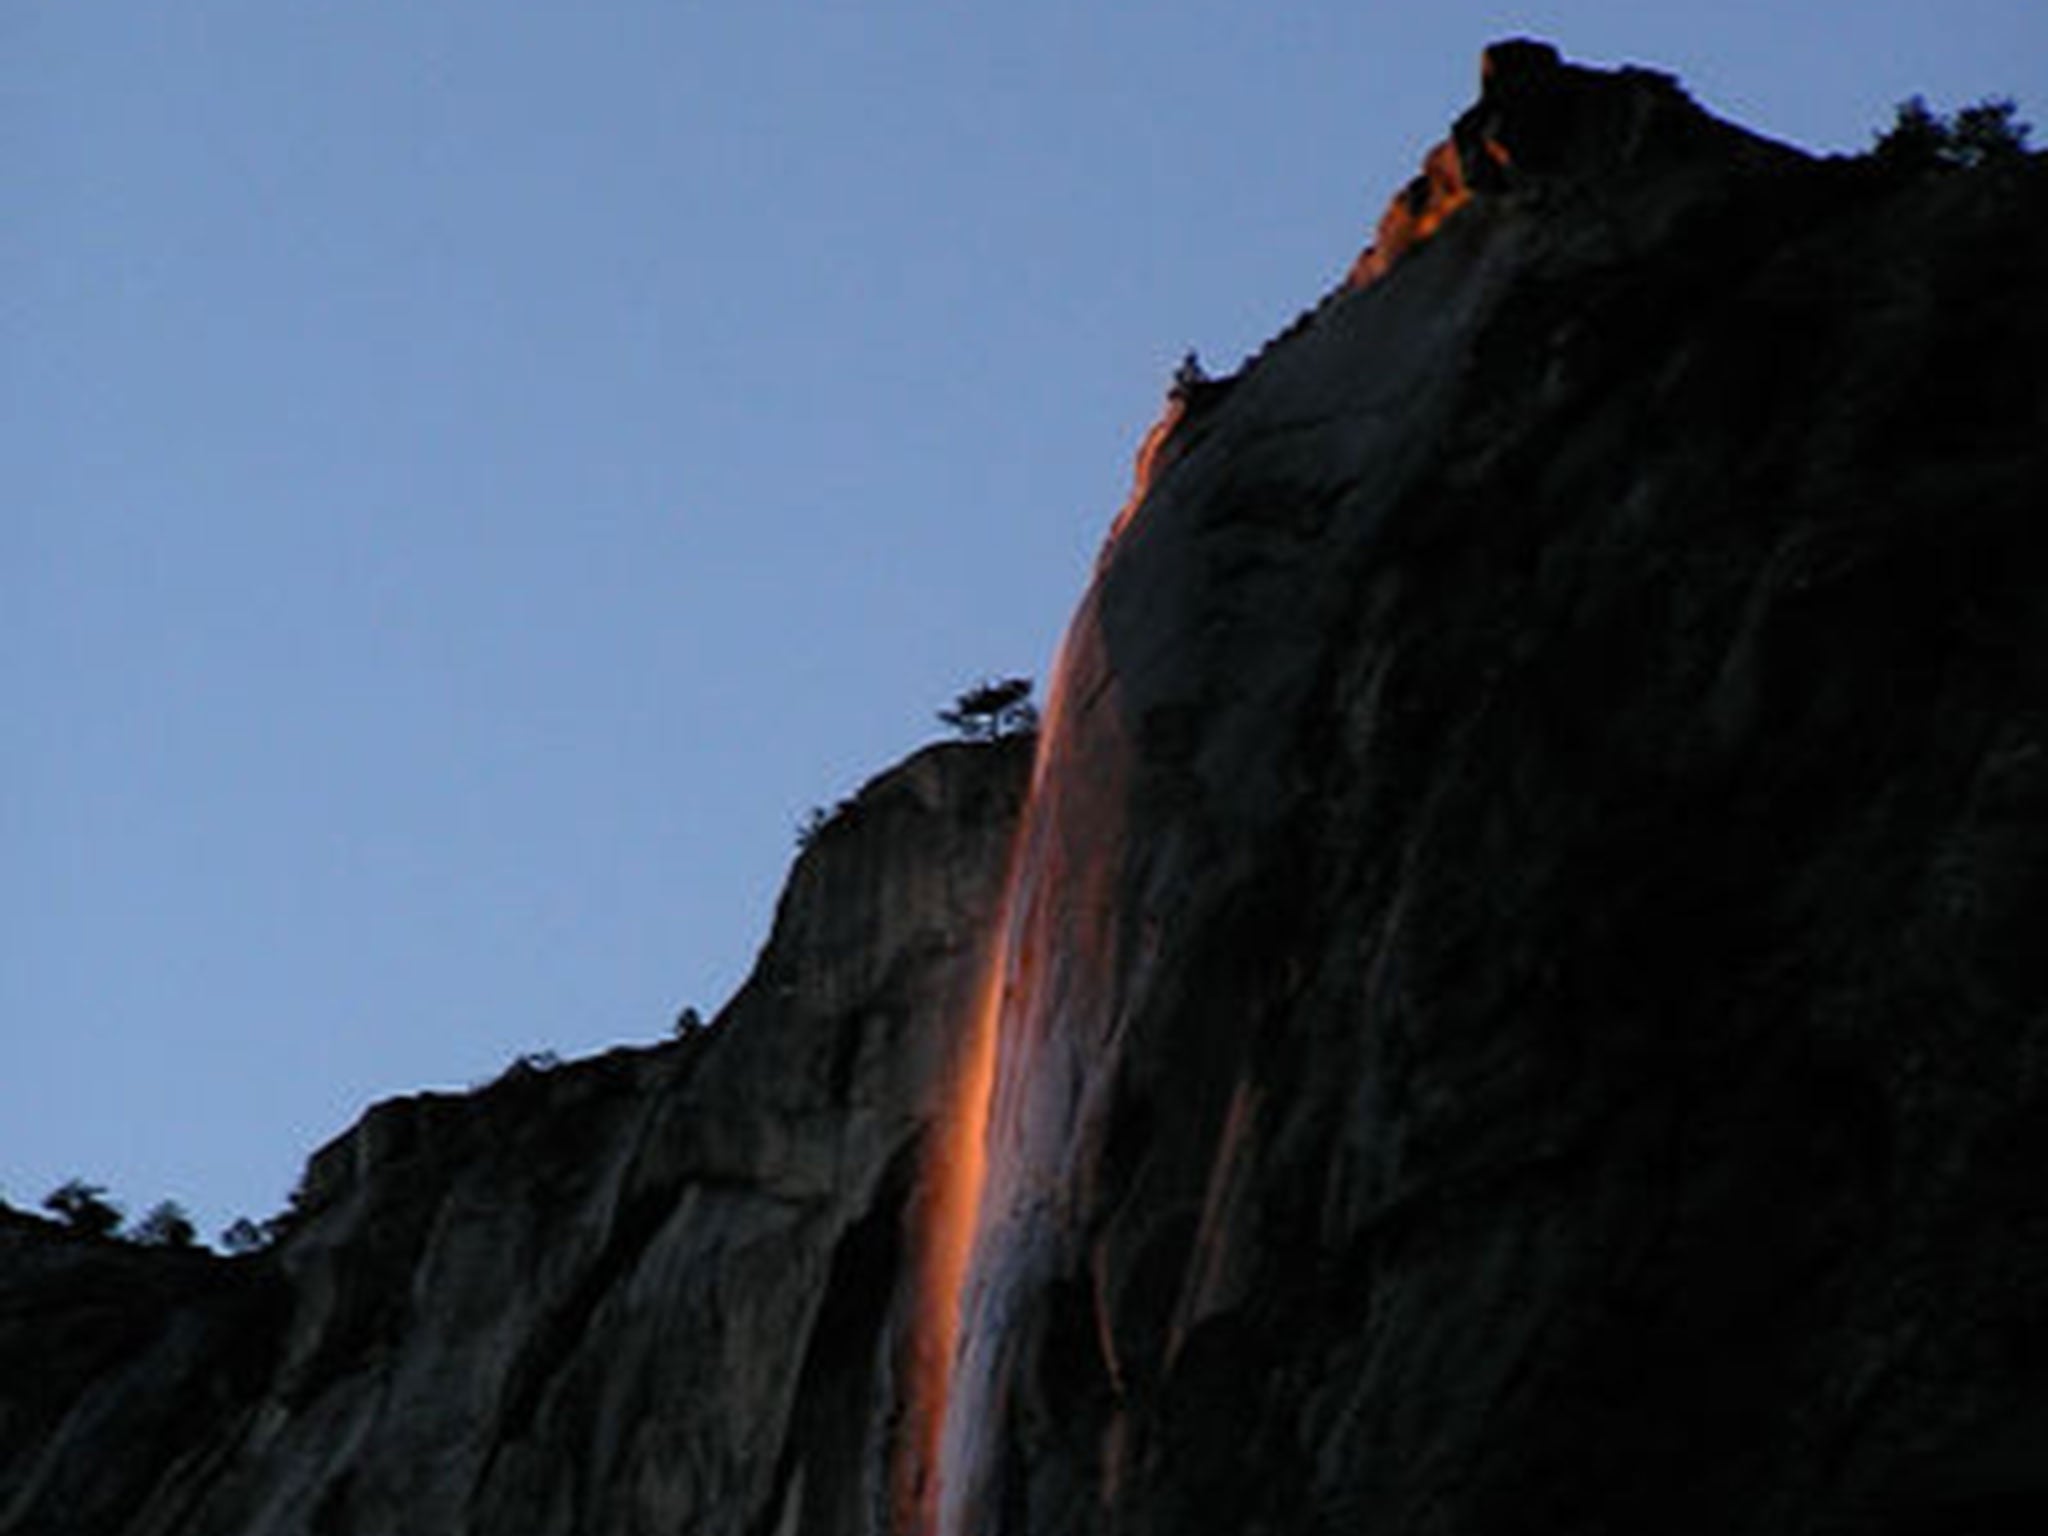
x: 165, y: 1226
x: 993, y: 709
x: 1922, y: 139
x: 1916, y: 137
x: 83, y: 1208
x: 243, y: 1236
x: 1989, y: 133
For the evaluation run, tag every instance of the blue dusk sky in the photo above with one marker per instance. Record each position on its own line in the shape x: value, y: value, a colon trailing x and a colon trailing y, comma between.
x: 476, y: 474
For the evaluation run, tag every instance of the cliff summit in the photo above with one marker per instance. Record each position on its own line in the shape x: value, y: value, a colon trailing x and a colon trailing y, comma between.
x: 1505, y: 995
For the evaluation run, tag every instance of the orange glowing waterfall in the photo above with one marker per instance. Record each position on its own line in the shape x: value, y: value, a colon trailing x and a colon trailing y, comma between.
x: 951, y: 1208
x: 1051, y: 939
x: 957, y: 1181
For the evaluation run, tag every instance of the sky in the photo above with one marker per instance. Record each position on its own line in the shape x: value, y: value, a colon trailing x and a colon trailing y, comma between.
x: 473, y: 475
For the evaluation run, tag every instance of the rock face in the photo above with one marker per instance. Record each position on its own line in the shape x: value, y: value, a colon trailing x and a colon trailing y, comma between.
x: 1528, y: 1008
x: 657, y: 1291
x: 1519, y: 994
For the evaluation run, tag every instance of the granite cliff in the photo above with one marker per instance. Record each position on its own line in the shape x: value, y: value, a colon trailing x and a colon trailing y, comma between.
x: 1509, y: 998
x: 654, y: 1291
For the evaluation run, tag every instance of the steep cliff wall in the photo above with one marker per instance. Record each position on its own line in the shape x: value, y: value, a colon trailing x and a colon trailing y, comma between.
x: 662, y: 1290
x: 1516, y: 1004
x: 1527, y: 1006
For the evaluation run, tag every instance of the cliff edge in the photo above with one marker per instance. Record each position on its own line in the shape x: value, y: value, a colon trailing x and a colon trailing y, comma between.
x: 664, y: 1288
x: 1525, y: 1007
x: 1508, y: 998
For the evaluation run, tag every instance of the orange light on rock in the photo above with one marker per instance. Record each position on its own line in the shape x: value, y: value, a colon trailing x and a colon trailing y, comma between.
x: 949, y: 1213
x: 1416, y: 213
x: 1147, y: 464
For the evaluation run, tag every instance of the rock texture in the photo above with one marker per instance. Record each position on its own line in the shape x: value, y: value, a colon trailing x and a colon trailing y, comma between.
x: 1529, y: 1009
x: 653, y: 1292
x: 1522, y: 997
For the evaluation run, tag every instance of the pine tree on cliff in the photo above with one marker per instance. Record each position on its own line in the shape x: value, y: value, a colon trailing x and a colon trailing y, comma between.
x: 991, y: 710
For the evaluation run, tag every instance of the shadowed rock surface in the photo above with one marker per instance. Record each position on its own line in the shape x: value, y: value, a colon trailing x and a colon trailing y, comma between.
x: 1554, y: 1037
x: 650, y: 1292
x: 1525, y: 1005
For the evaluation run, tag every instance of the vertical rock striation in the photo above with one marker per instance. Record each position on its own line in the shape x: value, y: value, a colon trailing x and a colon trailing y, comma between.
x: 661, y: 1290
x: 1527, y: 1008
x: 1512, y: 999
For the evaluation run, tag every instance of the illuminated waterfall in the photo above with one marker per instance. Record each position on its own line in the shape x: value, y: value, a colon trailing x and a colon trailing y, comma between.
x: 951, y: 1206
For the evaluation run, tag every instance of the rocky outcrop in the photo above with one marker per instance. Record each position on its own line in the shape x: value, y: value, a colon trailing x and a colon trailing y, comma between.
x: 661, y: 1290
x: 1526, y: 1006
x: 1515, y: 1003
x: 1540, y: 120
